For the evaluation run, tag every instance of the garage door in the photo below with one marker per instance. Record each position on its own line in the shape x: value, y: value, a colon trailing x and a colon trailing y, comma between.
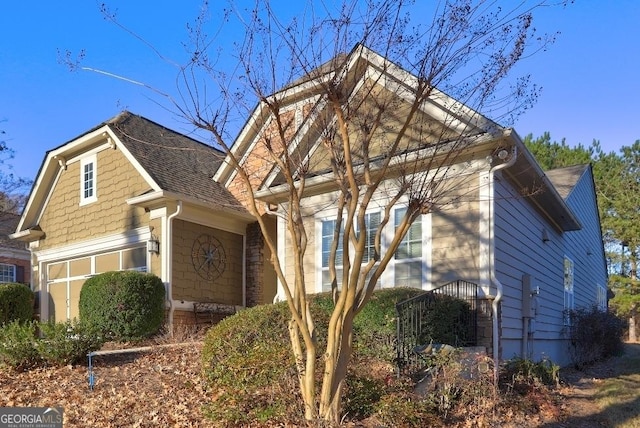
x: 65, y: 278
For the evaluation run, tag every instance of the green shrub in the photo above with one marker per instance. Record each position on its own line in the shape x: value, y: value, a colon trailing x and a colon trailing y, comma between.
x: 16, y: 303
x: 19, y: 349
x: 66, y: 343
x: 441, y: 322
x: 522, y: 371
x: 247, y: 359
x: 375, y: 326
x: 362, y: 394
x: 56, y: 344
x: 123, y: 306
x: 594, y: 335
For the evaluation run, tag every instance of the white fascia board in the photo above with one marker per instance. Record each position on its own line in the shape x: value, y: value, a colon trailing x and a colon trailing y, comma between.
x: 27, y: 235
x: 327, y: 181
x: 161, y: 197
x: 438, y: 105
x: 300, y: 133
x: 97, y: 245
x: 225, y: 170
x: 439, y: 98
x: 57, y: 160
x: 146, y: 198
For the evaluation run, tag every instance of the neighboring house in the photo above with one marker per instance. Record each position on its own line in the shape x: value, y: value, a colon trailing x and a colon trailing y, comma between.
x: 530, y: 240
x: 15, y: 258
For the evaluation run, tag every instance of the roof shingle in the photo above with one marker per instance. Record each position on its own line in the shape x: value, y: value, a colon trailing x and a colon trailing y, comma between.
x: 177, y: 163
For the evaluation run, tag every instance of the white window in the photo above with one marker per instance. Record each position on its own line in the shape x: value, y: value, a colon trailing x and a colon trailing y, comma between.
x: 602, y: 298
x: 88, y: 179
x: 568, y: 290
x: 372, y: 222
x: 328, y: 228
x: 7, y: 273
x: 408, y: 257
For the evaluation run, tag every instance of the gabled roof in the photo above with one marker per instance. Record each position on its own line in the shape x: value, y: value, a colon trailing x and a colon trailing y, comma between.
x: 175, y: 162
x: 440, y: 114
x: 174, y: 165
x: 565, y: 179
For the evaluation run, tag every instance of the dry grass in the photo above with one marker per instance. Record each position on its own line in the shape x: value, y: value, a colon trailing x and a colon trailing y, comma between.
x: 606, y: 394
x: 618, y: 396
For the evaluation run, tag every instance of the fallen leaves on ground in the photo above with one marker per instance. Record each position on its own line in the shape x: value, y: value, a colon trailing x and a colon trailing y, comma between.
x: 161, y: 387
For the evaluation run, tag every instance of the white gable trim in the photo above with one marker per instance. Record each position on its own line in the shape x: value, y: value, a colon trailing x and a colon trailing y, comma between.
x: 57, y: 161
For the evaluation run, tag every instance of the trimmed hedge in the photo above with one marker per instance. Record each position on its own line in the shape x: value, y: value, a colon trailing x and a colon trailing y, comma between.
x: 16, y: 303
x: 123, y: 306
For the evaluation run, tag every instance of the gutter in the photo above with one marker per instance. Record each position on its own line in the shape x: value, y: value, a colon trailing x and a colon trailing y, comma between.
x: 492, y: 253
x: 169, y: 263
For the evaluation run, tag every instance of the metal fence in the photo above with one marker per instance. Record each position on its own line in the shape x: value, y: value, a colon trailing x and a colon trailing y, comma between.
x: 445, y: 315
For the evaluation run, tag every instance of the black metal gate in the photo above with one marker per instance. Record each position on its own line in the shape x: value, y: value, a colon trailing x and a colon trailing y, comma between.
x: 416, y: 316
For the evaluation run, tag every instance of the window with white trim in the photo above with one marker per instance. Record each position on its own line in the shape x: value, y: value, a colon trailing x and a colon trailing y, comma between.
x: 88, y: 180
x: 568, y: 290
x: 408, y: 257
x: 372, y: 222
x: 7, y: 273
x: 602, y: 298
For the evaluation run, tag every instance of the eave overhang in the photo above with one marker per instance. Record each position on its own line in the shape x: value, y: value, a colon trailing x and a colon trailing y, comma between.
x: 479, y: 147
x: 161, y: 198
x: 55, y: 161
x: 27, y: 235
x: 527, y: 175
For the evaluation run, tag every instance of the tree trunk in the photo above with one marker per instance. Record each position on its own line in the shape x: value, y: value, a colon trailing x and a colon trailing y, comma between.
x: 306, y: 372
x: 632, y: 329
x: 337, y: 359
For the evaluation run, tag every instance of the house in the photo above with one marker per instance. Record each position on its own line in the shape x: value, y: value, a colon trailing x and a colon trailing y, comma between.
x: 131, y: 194
x: 15, y: 258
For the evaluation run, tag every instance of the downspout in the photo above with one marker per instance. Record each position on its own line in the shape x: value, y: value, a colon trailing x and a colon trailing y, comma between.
x: 169, y: 264
x: 492, y: 253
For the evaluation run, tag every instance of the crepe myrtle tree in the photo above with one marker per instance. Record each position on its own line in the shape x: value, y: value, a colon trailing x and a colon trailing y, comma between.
x: 368, y: 136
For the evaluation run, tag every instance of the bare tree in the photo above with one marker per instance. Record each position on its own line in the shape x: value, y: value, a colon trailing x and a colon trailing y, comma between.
x: 392, y: 116
x: 13, y: 189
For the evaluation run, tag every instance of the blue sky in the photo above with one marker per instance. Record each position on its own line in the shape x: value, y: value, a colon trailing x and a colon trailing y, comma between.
x: 589, y: 76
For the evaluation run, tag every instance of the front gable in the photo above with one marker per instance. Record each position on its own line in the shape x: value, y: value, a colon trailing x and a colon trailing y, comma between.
x: 67, y: 216
x: 57, y: 205
x: 306, y: 115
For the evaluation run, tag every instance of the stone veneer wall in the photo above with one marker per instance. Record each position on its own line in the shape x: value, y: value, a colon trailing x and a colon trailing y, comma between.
x: 254, y: 265
x: 485, y: 324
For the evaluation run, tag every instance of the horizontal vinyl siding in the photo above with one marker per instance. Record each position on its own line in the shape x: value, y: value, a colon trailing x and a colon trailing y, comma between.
x: 520, y: 250
x: 589, y: 269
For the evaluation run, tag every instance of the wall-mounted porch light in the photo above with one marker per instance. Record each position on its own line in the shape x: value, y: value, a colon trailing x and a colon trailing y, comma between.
x: 153, y: 246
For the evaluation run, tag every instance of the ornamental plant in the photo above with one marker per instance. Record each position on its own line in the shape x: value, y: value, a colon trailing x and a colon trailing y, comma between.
x: 123, y: 306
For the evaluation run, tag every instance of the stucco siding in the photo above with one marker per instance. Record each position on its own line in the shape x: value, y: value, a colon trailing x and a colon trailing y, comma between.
x: 65, y: 221
x: 188, y: 285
